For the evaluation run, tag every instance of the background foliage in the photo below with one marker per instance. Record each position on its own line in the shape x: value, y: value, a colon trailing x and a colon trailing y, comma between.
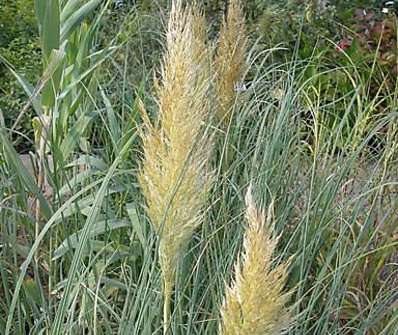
x: 314, y: 26
x: 19, y: 45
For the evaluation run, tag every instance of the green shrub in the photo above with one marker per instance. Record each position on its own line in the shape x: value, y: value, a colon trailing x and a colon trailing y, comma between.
x: 19, y: 45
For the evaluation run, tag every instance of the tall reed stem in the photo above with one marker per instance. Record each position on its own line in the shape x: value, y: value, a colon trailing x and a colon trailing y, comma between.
x: 167, y: 291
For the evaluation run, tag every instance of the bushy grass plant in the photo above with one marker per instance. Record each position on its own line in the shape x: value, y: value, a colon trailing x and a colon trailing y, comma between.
x: 86, y: 258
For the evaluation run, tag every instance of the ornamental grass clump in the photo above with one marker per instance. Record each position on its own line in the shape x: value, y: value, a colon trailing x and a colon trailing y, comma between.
x: 174, y: 175
x: 255, y: 304
x: 230, y: 60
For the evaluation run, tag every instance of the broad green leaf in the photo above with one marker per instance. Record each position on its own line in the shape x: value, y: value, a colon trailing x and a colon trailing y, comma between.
x: 76, y: 180
x: 96, y: 229
x: 85, y: 204
x: 107, y: 281
x: 51, y: 28
x: 92, y: 161
x: 56, y: 57
x: 33, y: 92
x: 32, y: 291
x: 74, y: 134
x: 51, y: 78
x: 51, y: 88
x: 102, y: 56
x: 77, y: 17
x: 51, y: 41
x: 27, y: 180
x: 40, y: 9
x: 69, y: 8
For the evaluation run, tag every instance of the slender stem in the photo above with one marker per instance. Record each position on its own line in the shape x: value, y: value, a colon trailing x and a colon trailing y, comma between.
x: 166, y: 305
x: 40, y: 183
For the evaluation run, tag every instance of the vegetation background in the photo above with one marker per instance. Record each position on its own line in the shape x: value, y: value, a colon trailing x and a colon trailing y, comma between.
x: 312, y: 127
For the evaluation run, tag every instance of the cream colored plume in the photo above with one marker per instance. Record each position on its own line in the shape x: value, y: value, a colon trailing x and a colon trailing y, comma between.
x: 255, y: 304
x: 230, y: 61
x: 174, y: 175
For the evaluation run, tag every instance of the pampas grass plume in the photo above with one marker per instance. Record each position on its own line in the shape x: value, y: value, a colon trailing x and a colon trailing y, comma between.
x: 255, y: 304
x: 230, y: 60
x: 174, y: 174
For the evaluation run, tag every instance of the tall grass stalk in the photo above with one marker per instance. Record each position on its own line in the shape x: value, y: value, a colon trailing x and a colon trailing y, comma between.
x: 175, y: 175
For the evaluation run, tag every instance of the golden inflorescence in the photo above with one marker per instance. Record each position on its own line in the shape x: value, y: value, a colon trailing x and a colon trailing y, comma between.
x: 230, y: 61
x: 174, y: 175
x: 256, y: 303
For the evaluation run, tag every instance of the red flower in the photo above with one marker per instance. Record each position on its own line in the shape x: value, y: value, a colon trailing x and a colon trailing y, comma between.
x: 344, y: 44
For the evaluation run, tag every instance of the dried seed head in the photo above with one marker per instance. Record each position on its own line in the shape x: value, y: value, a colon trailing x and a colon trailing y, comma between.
x: 256, y: 304
x: 174, y: 175
x: 230, y: 61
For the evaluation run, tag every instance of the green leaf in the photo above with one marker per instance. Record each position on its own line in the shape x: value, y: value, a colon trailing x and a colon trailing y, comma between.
x: 84, y: 205
x: 77, y: 17
x: 114, y: 127
x: 74, y: 134
x: 40, y: 9
x: 69, y: 8
x: 92, y: 161
x: 32, y: 291
x: 57, y: 216
x: 75, y: 268
x: 138, y: 229
x: 52, y: 76
x: 26, y: 85
x: 97, y: 229
x: 27, y: 180
x: 76, y: 180
x: 51, y: 28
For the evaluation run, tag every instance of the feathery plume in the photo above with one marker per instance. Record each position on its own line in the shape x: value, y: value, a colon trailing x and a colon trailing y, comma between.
x: 174, y: 175
x: 230, y: 63
x: 255, y: 303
